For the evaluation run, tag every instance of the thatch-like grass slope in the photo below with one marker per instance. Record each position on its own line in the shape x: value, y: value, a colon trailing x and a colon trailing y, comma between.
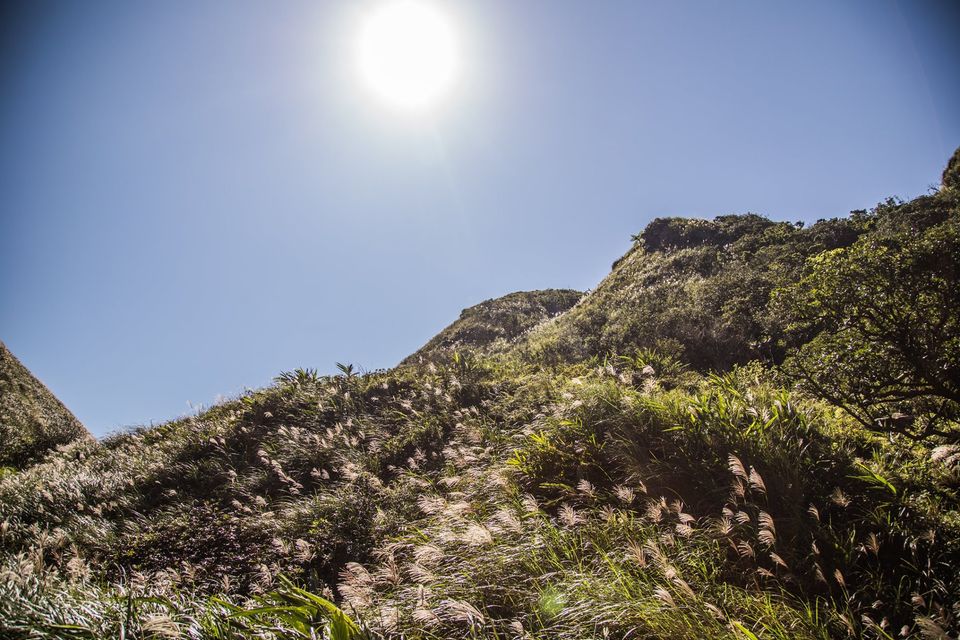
x: 32, y: 419
x: 496, y: 324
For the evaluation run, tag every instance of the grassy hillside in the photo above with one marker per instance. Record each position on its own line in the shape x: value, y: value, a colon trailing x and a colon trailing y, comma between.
x: 496, y: 325
x: 749, y: 429
x: 32, y: 420
x: 699, y: 289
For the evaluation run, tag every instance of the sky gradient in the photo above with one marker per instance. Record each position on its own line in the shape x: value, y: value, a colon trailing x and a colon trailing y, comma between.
x: 195, y: 196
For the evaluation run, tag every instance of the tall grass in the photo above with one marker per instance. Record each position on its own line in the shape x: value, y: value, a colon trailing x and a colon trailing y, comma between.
x: 488, y: 497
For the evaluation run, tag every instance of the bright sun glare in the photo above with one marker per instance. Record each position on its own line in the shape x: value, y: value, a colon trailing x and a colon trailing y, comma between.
x: 408, y: 54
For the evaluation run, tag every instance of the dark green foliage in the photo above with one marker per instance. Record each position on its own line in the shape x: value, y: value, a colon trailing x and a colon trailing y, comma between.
x: 879, y: 321
x: 667, y: 234
x: 298, y: 612
x: 951, y: 175
x: 211, y: 541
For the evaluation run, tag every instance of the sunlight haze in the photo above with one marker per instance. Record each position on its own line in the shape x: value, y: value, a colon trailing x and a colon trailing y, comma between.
x: 408, y: 54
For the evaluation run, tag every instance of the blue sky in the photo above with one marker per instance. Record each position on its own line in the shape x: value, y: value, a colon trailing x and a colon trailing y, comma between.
x: 195, y: 196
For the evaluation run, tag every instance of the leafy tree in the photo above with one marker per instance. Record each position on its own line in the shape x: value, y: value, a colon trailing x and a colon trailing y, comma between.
x: 880, y: 325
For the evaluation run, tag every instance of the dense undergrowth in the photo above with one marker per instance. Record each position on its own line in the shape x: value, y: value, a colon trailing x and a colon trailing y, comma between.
x: 652, y: 463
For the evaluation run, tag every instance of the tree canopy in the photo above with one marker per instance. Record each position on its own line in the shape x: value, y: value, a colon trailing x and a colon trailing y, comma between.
x: 879, y: 321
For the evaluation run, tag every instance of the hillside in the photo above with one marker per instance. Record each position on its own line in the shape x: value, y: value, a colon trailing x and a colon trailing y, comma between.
x: 32, y: 420
x: 496, y: 324
x: 749, y: 429
x: 697, y: 288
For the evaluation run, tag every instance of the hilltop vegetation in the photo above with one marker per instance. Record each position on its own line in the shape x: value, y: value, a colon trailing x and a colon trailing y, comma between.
x: 747, y: 430
x: 32, y: 420
x: 496, y: 325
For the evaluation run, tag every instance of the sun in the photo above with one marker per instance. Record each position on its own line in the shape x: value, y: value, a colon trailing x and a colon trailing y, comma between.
x: 408, y: 55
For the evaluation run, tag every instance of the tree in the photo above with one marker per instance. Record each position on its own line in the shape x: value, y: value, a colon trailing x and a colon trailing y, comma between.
x: 879, y: 324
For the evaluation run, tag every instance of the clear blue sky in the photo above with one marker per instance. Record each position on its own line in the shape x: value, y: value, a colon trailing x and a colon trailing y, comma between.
x: 195, y: 196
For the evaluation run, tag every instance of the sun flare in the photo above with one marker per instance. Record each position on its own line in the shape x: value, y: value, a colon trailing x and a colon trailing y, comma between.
x: 408, y: 54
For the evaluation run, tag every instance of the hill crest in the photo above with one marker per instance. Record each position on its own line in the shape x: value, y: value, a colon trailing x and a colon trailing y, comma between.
x: 32, y: 420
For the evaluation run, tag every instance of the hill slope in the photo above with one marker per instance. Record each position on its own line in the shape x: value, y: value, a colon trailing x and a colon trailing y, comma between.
x: 32, y: 420
x: 497, y: 323
x: 697, y: 288
x: 748, y: 430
